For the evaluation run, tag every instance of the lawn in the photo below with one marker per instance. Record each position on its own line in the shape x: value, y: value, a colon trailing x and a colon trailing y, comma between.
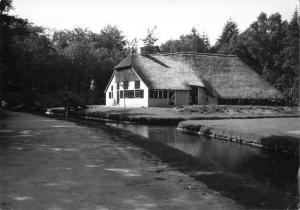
x: 277, y: 133
x: 174, y: 115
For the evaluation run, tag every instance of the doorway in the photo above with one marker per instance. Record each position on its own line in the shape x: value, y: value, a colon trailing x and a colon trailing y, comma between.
x: 171, y: 97
x: 118, y: 97
x: 194, y: 95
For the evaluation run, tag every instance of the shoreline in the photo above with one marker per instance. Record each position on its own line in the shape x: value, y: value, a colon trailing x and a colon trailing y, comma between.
x: 165, y: 117
x: 183, y: 124
x: 270, y: 140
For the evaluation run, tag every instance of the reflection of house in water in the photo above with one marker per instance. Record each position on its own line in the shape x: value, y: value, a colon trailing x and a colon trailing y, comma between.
x: 142, y: 130
x: 186, y: 78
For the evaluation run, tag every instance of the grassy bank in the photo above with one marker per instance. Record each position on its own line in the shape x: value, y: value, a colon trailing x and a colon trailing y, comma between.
x: 172, y: 116
x: 281, y: 134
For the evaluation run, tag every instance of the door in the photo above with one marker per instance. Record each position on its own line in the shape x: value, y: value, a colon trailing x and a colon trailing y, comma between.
x: 118, y: 97
x: 171, y: 97
x: 194, y: 95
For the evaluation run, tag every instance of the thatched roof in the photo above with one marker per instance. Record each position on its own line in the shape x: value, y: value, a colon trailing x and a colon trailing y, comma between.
x: 167, y: 74
x: 225, y: 76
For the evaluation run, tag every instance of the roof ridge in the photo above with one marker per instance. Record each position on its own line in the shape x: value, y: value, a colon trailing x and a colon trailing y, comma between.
x: 195, y: 53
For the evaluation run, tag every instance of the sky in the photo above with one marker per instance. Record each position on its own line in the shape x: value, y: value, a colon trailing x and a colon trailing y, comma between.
x: 133, y: 17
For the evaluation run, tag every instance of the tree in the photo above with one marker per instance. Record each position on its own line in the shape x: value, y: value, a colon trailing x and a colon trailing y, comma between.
x: 89, y: 56
x: 192, y: 42
x: 149, y: 42
x: 133, y: 46
x: 5, y: 6
x: 227, y: 43
x: 260, y: 45
x: 289, y: 80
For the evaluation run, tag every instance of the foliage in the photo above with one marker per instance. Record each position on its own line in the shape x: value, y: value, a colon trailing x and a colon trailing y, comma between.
x: 192, y: 42
x: 89, y: 56
x: 35, y: 62
x: 288, y: 82
x: 227, y: 43
x: 271, y: 47
x: 149, y: 42
x: 133, y: 46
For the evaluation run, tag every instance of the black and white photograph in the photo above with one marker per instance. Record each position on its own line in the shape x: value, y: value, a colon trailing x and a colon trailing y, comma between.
x: 149, y: 104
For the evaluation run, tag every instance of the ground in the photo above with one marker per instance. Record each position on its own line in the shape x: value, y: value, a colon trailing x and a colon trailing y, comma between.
x: 54, y: 164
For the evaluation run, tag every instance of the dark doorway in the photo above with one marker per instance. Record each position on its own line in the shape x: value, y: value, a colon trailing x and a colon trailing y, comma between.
x: 171, y: 97
x: 118, y: 97
x: 194, y: 95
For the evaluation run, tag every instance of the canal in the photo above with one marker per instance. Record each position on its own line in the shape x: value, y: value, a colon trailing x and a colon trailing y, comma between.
x: 274, y: 171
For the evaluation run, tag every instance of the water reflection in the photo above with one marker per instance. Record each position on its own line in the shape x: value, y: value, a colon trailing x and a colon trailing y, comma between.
x: 269, y: 168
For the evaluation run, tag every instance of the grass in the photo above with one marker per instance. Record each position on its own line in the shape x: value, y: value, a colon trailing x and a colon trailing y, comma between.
x: 172, y: 116
x: 235, y: 109
x: 280, y: 134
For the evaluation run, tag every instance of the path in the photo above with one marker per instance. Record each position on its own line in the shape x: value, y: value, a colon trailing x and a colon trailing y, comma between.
x: 53, y: 164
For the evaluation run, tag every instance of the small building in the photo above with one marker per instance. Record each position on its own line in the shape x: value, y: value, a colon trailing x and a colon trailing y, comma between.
x: 186, y: 78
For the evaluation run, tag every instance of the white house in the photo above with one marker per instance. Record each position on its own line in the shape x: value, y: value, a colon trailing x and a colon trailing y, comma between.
x: 185, y: 78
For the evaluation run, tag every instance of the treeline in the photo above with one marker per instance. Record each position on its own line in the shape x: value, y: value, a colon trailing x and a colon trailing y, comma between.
x: 32, y: 61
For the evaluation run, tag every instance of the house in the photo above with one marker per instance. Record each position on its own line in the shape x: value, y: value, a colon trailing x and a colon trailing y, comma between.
x: 186, y: 78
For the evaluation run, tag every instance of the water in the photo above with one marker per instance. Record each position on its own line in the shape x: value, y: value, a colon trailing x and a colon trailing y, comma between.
x: 271, y: 169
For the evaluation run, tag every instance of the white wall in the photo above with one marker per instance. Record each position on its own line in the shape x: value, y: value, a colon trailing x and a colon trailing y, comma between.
x: 129, y: 102
x: 135, y: 102
x: 111, y: 101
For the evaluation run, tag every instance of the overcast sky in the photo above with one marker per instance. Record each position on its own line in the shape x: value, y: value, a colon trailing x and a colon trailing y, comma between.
x: 133, y: 17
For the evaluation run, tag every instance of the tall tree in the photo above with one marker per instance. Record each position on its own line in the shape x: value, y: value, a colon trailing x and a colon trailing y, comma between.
x: 149, y: 42
x: 288, y: 82
x: 133, y: 46
x: 262, y: 43
x: 227, y: 43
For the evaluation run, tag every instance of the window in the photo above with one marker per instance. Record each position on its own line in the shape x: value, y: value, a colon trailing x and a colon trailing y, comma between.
x: 158, y: 94
x: 139, y: 93
x: 118, y: 86
x: 129, y: 93
x: 137, y: 85
x: 112, y: 88
x: 121, y: 93
x: 151, y: 94
x: 125, y: 85
x: 109, y: 95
